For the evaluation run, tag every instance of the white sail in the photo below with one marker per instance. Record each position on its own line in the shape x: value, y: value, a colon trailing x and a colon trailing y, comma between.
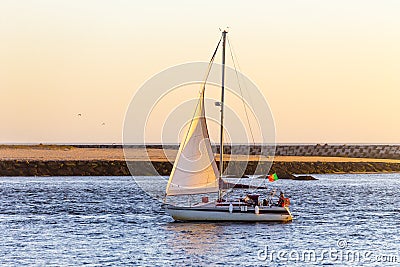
x: 195, y: 170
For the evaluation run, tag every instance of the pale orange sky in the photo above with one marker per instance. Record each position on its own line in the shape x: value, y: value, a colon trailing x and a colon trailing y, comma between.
x: 329, y: 69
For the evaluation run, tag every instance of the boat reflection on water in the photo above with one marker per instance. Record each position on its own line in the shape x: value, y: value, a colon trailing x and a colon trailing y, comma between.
x: 195, y: 238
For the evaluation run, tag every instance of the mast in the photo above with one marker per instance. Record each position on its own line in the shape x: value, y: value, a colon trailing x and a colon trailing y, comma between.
x: 221, y: 140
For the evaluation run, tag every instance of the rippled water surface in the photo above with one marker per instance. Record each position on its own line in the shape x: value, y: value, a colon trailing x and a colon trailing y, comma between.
x: 106, y: 221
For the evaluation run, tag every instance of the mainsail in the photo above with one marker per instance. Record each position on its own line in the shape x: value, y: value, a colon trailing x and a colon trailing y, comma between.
x: 194, y: 170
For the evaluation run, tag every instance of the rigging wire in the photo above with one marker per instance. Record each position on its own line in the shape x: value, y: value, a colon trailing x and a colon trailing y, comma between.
x: 210, y: 64
x: 203, y: 88
x: 240, y: 70
x: 240, y: 88
x: 264, y: 183
x: 233, y: 56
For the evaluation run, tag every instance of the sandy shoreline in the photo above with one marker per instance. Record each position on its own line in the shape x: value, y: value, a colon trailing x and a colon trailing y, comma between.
x: 69, y: 153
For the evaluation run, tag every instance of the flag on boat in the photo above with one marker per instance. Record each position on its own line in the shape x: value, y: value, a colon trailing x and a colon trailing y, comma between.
x: 272, y: 177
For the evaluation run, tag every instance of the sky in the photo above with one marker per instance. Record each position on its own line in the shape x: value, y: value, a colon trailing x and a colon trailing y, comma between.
x: 328, y: 69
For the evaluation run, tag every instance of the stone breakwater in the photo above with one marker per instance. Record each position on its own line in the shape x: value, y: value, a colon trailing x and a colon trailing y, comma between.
x: 322, y: 150
x: 377, y: 151
x: 285, y: 170
x: 351, y: 151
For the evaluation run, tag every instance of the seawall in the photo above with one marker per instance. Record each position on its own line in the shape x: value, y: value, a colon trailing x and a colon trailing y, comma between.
x: 378, y: 151
x: 109, y: 160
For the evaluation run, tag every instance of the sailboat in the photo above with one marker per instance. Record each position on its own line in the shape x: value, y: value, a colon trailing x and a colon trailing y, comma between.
x: 195, y: 172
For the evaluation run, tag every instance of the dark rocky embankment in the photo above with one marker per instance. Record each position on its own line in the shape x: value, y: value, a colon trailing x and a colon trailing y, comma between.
x: 284, y: 170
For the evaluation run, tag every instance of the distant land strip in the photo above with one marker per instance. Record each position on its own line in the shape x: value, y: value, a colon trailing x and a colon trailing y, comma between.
x: 108, y: 160
x: 376, y: 151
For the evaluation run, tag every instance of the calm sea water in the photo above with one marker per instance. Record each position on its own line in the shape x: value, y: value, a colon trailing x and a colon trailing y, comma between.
x: 104, y: 221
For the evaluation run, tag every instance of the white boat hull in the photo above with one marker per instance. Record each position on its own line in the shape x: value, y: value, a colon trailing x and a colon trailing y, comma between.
x: 266, y: 214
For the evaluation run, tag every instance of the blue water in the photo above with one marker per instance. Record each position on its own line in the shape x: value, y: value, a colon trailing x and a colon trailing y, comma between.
x: 108, y: 221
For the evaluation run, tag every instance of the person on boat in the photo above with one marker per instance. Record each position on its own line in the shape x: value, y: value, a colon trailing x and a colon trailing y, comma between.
x: 249, y: 200
x: 281, y: 201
